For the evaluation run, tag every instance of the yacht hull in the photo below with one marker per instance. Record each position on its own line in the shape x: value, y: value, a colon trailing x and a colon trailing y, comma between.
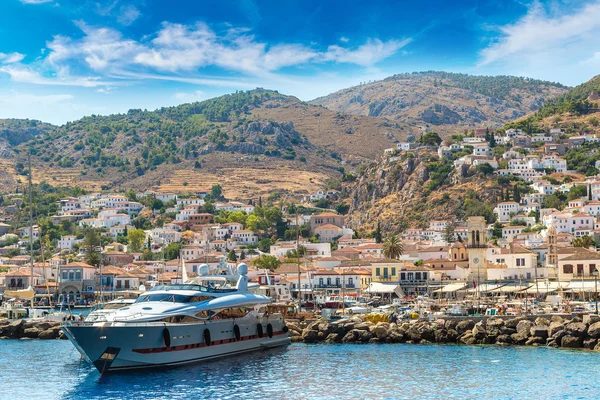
x: 126, y: 346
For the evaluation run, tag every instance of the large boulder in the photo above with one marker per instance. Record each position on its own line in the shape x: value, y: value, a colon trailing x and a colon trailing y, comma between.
x: 293, y: 327
x: 464, y: 326
x: 441, y: 336
x: 512, y: 323
x: 365, y: 326
x: 535, y: 341
x: 541, y: 321
x: 364, y: 336
x: 557, y: 318
x: 479, y: 331
x: 590, y: 343
x: 504, y: 339
x: 524, y: 327
x: 571, y: 342
x: 540, y: 331
x: 32, y: 333
x: 576, y: 329
x: 590, y: 319
x: 467, y: 338
x: 333, y: 338
x: 48, y: 334
x: 519, y: 337
x: 594, y: 330
x: 451, y: 324
x: 310, y: 336
x: 380, y: 330
x: 350, y: 337
x: 494, y: 323
x: 395, y: 336
x: 555, y: 326
x: 325, y: 328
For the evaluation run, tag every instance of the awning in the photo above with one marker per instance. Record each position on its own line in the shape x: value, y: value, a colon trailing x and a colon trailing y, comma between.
x: 451, y: 288
x: 510, y: 288
x: 581, y: 286
x: 545, y: 287
x: 380, y: 287
x: 485, y: 287
x: 28, y: 293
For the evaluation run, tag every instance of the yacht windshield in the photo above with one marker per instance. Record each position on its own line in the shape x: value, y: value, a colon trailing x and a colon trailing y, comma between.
x: 166, y: 297
x: 171, y: 297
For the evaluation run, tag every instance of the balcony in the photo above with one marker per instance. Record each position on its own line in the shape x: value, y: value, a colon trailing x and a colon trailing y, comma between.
x: 385, y: 278
x: 335, y: 286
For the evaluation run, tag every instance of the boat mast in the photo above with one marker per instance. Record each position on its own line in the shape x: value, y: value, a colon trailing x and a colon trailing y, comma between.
x: 298, y: 260
x: 101, y: 294
x: 30, y: 221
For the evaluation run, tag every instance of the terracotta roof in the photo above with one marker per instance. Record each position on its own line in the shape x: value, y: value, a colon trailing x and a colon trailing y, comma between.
x: 327, y: 226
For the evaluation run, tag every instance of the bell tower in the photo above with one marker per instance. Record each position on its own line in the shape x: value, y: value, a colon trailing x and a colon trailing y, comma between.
x: 476, y: 247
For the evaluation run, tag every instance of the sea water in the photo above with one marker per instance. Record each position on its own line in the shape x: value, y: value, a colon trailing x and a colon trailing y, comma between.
x: 54, y: 370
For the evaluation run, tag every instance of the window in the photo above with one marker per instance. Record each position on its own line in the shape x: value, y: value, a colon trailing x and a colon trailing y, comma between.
x: 425, y: 276
x: 78, y: 275
x: 411, y: 276
x: 568, y: 269
x: 337, y: 282
x: 350, y: 282
x: 402, y: 276
x: 328, y: 281
x: 320, y: 281
x: 393, y: 271
x: 377, y: 272
x: 418, y: 276
x: 385, y: 272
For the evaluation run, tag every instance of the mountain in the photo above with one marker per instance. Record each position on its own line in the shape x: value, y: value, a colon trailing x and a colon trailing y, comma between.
x: 575, y: 101
x: 409, y: 191
x: 445, y: 102
x: 16, y: 131
x: 253, y: 143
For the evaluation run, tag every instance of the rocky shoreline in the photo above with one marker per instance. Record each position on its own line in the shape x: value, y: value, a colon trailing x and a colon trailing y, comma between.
x: 556, y: 331
x: 33, y: 329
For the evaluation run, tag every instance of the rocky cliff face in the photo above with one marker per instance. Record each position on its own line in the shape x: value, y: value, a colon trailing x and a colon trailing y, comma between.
x: 397, y: 194
x: 13, y: 132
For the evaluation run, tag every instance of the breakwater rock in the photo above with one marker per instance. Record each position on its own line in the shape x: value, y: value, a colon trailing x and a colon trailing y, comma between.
x: 30, y: 329
x: 555, y: 331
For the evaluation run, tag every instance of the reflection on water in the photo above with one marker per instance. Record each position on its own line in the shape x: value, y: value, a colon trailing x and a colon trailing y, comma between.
x: 53, y: 369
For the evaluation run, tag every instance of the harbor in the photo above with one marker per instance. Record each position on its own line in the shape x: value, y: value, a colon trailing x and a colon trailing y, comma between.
x: 344, y: 371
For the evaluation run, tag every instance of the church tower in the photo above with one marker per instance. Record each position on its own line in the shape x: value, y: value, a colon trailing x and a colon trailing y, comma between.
x: 552, y: 259
x: 476, y: 247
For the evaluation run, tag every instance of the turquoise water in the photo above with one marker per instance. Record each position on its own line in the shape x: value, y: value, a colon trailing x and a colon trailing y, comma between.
x: 53, y: 370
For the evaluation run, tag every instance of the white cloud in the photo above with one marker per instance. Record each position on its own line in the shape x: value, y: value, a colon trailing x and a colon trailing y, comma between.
x: 367, y: 54
x: 35, y: 1
x: 179, y: 52
x: 128, y: 14
x: 195, y: 96
x: 550, y: 43
x: 11, y: 58
x: 24, y: 74
x: 344, y: 39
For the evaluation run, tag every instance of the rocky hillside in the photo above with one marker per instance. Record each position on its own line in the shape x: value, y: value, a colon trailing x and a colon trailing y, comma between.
x: 409, y: 190
x: 16, y: 131
x: 251, y: 142
x: 445, y: 102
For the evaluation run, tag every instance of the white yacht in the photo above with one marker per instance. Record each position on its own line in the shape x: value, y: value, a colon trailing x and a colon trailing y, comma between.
x: 178, y: 324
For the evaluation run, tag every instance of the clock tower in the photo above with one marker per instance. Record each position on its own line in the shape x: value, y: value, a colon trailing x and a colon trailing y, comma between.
x: 476, y: 247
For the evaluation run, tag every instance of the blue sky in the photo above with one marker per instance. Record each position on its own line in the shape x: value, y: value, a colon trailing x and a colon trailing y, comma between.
x: 63, y: 59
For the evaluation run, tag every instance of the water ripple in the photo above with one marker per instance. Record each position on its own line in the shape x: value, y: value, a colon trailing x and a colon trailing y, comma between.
x: 54, y: 370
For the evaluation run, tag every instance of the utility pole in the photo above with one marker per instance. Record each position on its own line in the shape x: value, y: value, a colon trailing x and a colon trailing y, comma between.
x: 30, y: 221
x: 298, y: 260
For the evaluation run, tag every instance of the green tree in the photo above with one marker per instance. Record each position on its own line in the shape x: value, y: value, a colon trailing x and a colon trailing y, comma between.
x: 91, y: 243
x: 497, y: 230
x: 392, y: 247
x: 377, y: 234
x: 585, y: 241
x: 216, y: 192
x: 266, y: 262
x: 147, y: 255
x: 431, y: 139
x: 450, y: 232
x: 231, y: 256
x: 172, y: 251
x: 136, y: 238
